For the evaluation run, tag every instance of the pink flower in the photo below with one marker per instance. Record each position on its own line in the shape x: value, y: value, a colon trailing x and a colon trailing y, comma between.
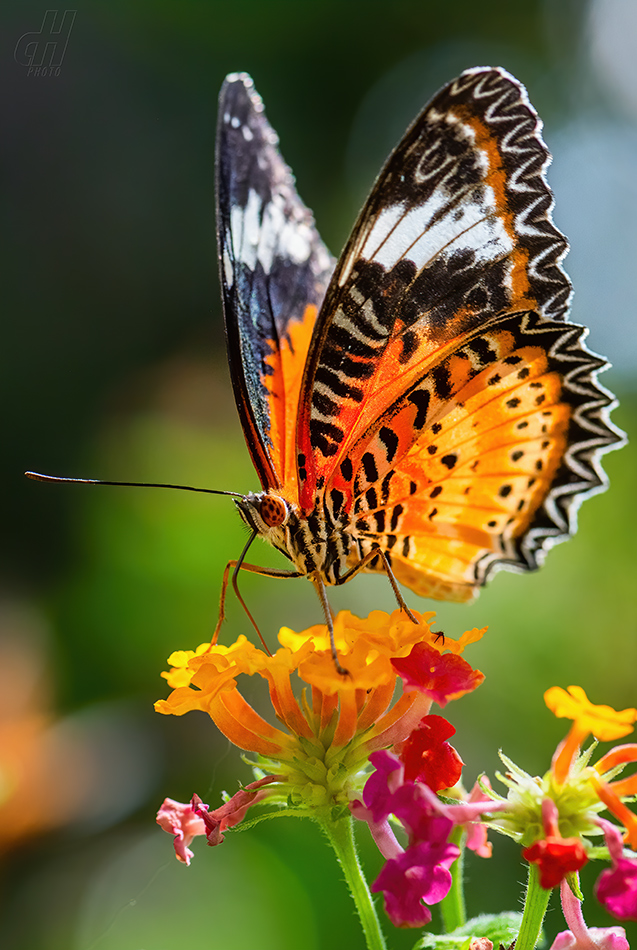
x: 181, y: 821
x: 231, y: 812
x: 581, y: 937
x: 187, y: 821
x: 599, y: 938
x: 477, y: 840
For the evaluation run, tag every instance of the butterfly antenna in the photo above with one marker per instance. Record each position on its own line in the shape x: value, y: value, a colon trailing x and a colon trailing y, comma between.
x: 38, y: 477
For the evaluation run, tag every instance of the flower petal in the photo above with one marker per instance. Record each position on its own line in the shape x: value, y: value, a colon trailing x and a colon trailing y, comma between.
x: 555, y: 858
x: 428, y: 757
x: 420, y: 874
x: 180, y: 820
x: 604, y: 722
x: 440, y: 676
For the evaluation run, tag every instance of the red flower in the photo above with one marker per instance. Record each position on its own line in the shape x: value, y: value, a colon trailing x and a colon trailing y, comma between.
x: 554, y: 855
x: 440, y: 676
x: 427, y: 757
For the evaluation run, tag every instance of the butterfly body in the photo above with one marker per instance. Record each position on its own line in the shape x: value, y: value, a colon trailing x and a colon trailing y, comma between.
x: 422, y: 406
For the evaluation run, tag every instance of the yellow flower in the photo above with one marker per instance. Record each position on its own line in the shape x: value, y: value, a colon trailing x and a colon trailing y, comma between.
x: 604, y: 722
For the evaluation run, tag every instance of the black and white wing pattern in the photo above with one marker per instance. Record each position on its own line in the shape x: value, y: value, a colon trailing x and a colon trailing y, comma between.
x: 274, y: 271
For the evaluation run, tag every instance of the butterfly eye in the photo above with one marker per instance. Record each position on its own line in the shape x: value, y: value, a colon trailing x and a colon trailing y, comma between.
x: 273, y: 511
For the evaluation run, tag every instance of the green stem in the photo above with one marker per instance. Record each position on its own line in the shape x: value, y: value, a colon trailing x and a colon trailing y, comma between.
x: 452, y: 907
x: 341, y: 836
x: 535, y: 905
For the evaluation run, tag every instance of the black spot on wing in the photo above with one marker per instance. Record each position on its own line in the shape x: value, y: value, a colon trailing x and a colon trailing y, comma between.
x: 421, y: 399
x: 409, y: 342
x: 442, y: 381
x: 337, y: 498
x: 395, y: 516
x: 369, y: 467
x: 390, y: 440
x: 347, y: 470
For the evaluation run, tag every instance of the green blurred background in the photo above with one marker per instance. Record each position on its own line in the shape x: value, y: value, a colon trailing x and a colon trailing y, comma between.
x: 114, y: 367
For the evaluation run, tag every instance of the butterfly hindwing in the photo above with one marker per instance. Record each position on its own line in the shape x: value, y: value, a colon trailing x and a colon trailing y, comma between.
x: 274, y: 271
x: 498, y: 469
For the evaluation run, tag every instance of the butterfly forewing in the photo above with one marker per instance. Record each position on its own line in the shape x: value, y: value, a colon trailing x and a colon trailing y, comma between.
x: 448, y: 412
x: 274, y: 271
x: 456, y: 230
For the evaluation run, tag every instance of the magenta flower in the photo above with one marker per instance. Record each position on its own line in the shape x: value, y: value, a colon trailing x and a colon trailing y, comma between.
x: 616, y: 887
x: 412, y: 804
x: 420, y: 873
x: 381, y: 785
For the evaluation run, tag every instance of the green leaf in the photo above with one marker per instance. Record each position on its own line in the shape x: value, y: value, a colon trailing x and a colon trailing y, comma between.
x: 501, y: 929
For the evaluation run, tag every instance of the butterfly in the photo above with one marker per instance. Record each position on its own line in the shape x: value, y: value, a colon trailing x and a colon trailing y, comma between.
x: 421, y: 407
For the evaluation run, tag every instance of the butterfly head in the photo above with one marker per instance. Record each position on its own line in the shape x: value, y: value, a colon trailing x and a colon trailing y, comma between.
x: 263, y: 513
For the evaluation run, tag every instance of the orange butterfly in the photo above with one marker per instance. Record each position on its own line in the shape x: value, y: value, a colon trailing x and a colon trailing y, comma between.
x: 423, y: 407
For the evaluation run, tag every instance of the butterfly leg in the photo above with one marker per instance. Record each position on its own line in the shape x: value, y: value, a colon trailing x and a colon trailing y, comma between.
x: 236, y: 566
x: 319, y: 586
x: 378, y: 552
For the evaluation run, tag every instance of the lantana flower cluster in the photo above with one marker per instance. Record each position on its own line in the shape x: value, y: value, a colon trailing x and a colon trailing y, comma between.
x: 365, y: 744
x: 556, y: 816
x: 320, y: 760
